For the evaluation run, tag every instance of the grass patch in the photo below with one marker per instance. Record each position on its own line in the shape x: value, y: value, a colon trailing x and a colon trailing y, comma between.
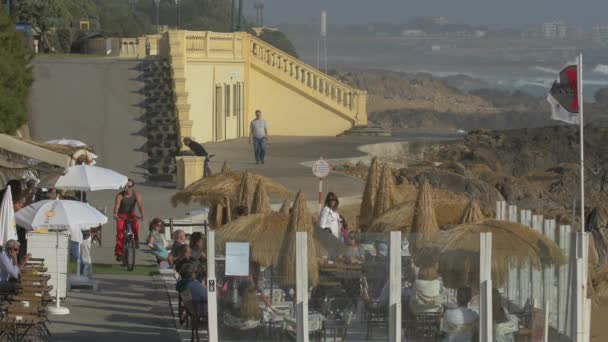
x: 144, y: 270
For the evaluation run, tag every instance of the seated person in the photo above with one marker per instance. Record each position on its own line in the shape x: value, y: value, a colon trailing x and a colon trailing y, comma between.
x: 187, y: 281
x: 505, y: 325
x: 10, y: 265
x: 461, y: 323
x: 184, y: 256
x: 179, y: 239
x: 197, y: 246
x: 156, y: 241
x: 353, y: 253
x: 428, y: 294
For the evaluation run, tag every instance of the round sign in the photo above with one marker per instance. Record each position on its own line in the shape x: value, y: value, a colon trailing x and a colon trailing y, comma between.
x: 320, y: 168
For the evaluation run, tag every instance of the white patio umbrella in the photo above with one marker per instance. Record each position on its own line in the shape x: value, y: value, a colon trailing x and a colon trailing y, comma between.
x: 8, y: 230
x: 67, y: 142
x: 91, y: 178
x: 60, y: 215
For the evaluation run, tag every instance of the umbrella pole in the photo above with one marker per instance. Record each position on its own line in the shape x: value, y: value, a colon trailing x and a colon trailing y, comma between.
x: 271, y: 283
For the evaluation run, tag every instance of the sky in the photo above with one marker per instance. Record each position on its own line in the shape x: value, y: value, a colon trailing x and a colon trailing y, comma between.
x: 494, y: 13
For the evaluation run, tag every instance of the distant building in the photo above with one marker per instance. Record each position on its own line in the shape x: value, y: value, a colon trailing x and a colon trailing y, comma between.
x: 554, y: 30
x: 412, y: 33
x: 440, y: 21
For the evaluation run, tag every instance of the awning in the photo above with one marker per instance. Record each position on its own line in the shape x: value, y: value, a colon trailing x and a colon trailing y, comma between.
x: 22, y: 151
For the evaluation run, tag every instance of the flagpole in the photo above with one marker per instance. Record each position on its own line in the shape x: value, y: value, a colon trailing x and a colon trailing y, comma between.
x: 582, y: 136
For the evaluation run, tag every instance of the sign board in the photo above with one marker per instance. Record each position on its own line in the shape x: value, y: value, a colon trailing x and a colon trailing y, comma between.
x: 321, y: 168
x: 211, y: 286
x: 237, y: 258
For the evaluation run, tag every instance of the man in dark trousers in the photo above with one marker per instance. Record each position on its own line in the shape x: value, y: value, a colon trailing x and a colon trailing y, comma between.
x: 199, y: 151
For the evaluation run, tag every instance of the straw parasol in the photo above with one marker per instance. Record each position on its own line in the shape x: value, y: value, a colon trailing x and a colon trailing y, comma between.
x: 220, y: 213
x: 261, y: 202
x: 424, y: 226
x: 385, y: 197
x: 472, y: 213
x: 244, y: 196
x: 264, y: 232
x: 221, y: 186
x: 285, y: 207
x: 369, y: 195
x: 513, y: 244
x: 299, y: 221
x: 225, y: 168
x: 448, y: 207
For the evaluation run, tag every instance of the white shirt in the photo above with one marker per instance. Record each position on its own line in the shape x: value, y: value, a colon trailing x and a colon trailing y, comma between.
x: 459, y: 324
x: 258, y: 128
x: 330, y: 219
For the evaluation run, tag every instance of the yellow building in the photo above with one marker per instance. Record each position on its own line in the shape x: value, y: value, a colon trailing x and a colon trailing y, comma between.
x: 220, y: 79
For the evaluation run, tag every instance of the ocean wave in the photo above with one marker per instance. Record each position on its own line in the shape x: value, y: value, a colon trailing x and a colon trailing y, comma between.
x: 601, y: 69
x: 546, y: 70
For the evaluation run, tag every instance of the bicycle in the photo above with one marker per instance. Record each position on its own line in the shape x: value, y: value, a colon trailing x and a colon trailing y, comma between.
x: 128, y: 249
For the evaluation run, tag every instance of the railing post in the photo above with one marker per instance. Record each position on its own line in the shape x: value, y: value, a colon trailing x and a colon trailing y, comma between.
x: 211, y: 289
x: 485, y: 287
x: 549, y: 276
x: 563, y: 281
x: 536, y: 280
x: 302, y: 286
x: 394, y: 299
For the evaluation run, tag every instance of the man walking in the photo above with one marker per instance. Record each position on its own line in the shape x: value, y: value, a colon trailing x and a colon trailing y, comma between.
x: 258, y: 136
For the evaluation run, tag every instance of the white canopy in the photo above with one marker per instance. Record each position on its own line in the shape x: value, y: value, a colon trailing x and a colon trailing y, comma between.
x: 73, y: 216
x: 91, y: 178
x: 67, y: 142
x: 8, y: 230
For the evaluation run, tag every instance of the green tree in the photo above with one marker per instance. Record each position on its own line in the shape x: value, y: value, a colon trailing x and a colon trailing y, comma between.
x: 279, y: 40
x: 119, y: 18
x: 15, y: 76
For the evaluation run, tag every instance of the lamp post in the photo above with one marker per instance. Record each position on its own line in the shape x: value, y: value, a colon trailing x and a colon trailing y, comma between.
x: 157, y: 3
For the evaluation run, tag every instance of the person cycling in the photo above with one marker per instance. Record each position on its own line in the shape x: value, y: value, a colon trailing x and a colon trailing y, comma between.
x: 124, y: 209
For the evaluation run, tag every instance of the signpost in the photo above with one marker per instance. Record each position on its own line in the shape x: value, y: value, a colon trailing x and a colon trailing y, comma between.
x: 321, y: 169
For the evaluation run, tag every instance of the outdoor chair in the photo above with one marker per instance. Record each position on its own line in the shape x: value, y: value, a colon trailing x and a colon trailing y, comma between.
x: 424, y: 326
x: 377, y: 317
x: 337, y: 330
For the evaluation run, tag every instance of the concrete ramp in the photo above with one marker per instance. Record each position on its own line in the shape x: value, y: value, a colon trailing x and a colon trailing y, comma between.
x: 96, y: 100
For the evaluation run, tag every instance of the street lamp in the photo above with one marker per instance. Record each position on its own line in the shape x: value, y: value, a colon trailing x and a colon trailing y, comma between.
x: 157, y: 3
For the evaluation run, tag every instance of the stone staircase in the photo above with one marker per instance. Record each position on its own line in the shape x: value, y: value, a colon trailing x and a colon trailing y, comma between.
x: 368, y: 131
x: 161, y: 121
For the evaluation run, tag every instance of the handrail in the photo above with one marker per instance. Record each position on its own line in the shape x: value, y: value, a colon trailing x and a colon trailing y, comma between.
x: 332, y: 89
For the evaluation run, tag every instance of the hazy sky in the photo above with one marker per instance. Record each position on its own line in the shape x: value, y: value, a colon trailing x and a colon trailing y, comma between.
x: 503, y: 13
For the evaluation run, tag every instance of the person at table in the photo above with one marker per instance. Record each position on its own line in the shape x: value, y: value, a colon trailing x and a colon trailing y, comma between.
x: 188, y: 281
x: 330, y: 217
x: 460, y: 324
x: 505, y: 324
x: 156, y: 241
x: 10, y: 266
x: 197, y: 246
x: 428, y: 296
x: 179, y: 239
x: 353, y: 253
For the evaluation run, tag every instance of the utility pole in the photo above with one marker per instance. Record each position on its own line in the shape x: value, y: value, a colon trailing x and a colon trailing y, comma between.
x: 259, y: 12
x: 238, y: 24
x: 178, y: 14
x: 157, y: 3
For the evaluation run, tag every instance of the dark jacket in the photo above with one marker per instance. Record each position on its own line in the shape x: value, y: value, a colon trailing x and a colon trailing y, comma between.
x: 197, y: 148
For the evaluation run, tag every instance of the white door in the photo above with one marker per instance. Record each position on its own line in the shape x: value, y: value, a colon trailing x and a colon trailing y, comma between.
x: 234, y: 105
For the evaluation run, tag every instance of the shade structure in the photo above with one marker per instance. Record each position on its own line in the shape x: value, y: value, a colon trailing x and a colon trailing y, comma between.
x: 385, y: 196
x: 91, y: 178
x: 424, y: 226
x: 457, y: 252
x: 225, y: 168
x: 299, y: 221
x: 472, y: 213
x: 67, y: 142
x: 73, y: 216
x: 260, y: 203
x: 285, y: 207
x: 366, y: 212
x: 219, y: 187
x: 246, y: 188
x: 8, y: 230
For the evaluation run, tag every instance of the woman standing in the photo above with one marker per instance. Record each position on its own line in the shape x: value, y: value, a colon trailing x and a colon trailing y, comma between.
x: 330, y: 217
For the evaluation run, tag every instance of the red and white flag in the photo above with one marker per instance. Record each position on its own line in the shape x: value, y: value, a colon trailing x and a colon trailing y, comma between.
x: 564, y: 96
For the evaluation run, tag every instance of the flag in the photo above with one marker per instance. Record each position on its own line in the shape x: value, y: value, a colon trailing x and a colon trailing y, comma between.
x: 563, y: 96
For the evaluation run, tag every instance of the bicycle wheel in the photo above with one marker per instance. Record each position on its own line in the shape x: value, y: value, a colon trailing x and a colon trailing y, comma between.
x: 125, y: 250
x: 131, y: 258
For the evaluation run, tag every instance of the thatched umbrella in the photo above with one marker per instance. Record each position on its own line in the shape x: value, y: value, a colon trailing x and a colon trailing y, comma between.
x: 472, y: 213
x: 246, y: 187
x: 225, y: 168
x: 369, y: 195
x: 285, y: 207
x: 299, y: 221
x: 220, y: 213
x: 424, y: 226
x: 385, y: 197
x: 448, y: 207
x: 260, y: 203
x: 218, y: 187
x: 513, y: 244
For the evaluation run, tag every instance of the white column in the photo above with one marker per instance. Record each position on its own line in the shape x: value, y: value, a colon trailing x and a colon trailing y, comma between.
x: 536, y: 276
x: 302, y: 286
x: 211, y: 287
x: 563, y: 280
x: 549, y: 277
x: 512, y: 213
x: 485, y: 287
x: 580, y: 289
x: 394, y: 299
